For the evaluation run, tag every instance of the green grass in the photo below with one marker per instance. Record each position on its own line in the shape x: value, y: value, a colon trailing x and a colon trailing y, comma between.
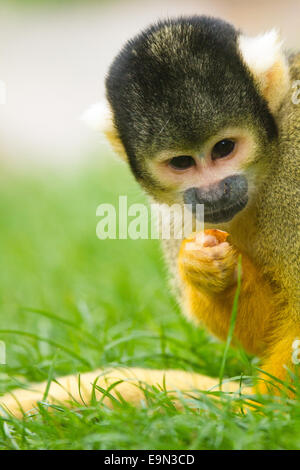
x: 70, y: 302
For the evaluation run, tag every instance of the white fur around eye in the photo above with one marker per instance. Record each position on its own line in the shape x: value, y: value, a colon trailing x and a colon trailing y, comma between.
x: 260, y: 53
x: 98, y: 116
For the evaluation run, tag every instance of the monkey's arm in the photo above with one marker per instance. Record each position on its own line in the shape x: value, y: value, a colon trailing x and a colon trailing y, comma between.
x: 209, y: 282
x: 130, y: 383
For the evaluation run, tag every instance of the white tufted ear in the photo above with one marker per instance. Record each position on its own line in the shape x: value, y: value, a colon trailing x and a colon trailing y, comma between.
x: 261, y: 52
x: 99, y: 117
x: 266, y: 60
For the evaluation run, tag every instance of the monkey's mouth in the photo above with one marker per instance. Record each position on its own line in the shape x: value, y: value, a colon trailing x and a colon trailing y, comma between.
x: 224, y: 214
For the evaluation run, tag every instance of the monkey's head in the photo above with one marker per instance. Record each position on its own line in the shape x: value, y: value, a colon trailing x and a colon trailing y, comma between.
x: 191, y: 105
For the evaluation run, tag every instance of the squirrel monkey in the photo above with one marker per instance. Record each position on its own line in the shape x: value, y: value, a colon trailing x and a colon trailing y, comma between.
x: 204, y: 115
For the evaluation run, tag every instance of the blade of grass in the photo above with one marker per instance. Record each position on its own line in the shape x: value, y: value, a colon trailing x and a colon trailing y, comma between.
x: 82, y: 332
x: 232, y: 320
x: 47, y: 340
x: 50, y: 377
x: 275, y: 379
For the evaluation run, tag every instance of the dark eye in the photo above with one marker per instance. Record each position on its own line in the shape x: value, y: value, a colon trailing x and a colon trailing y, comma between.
x: 182, y: 163
x: 222, y: 149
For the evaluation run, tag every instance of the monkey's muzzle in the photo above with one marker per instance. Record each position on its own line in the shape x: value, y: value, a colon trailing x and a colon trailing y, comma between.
x: 222, y: 200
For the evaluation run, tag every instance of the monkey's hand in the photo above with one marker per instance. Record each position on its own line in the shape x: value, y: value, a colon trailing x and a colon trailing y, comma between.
x: 208, y: 262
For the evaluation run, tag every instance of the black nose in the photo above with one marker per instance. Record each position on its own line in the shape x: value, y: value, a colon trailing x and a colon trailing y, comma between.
x: 221, y: 200
x: 224, y: 192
